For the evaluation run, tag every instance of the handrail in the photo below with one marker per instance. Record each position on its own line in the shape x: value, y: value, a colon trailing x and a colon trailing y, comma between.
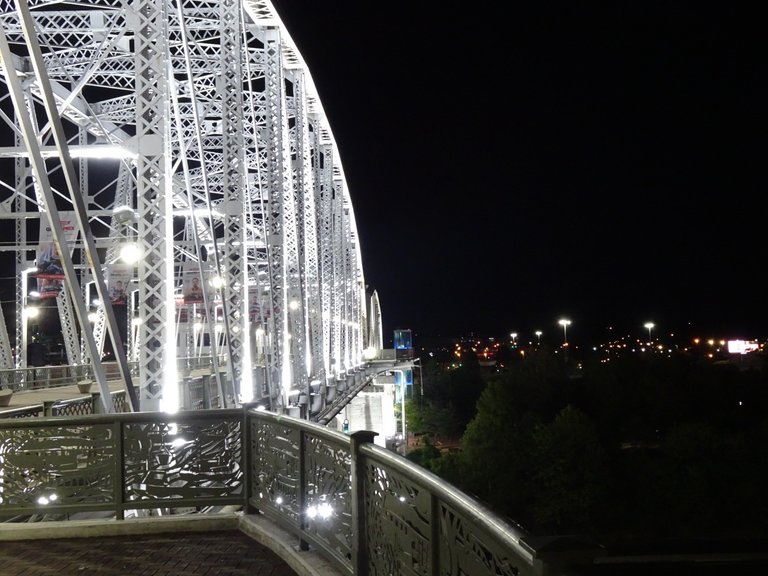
x: 57, y: 375
x: 364, y: 508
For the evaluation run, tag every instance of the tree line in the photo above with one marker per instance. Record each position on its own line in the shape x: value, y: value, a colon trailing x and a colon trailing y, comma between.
x: 639, y: 447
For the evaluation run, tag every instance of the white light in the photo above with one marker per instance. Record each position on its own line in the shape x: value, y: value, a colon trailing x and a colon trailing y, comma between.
x: 198, y: 213
x: 130, y: 253
x: 294, y: 305
x: 259, y: 331
x: 100, y: 151
x: 137, y: 321
x: 92, y: 317
x: 42, y: 500
x: 325, y: 510
x: 34, y: 294
x: 279, y: 500
x: 96, y: 302
x: 217, y: 281
x: 32, y: 311
x: 261, y: 408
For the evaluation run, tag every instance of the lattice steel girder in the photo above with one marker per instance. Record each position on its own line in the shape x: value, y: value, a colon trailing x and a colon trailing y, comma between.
x: 266, y: 173
x: 324, y: 194
x: 277, y: 174
x: 154, y: 207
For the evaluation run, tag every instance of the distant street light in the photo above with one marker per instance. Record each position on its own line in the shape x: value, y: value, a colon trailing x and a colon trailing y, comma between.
x: 538, y: 335
x: 650, y: 326
x: 565, y: 323
x: 514, y: 337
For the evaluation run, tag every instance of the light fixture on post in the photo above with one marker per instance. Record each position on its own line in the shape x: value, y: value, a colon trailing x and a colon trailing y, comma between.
x: 565, y: 323
x: 27, y: 312
x: 650, y: 326
x: 130, y: 253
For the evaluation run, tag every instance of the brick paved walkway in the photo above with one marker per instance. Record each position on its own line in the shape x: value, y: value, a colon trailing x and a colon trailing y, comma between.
x: 225, y: 553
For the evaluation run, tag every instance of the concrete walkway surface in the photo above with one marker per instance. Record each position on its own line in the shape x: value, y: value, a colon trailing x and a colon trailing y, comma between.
x: 220, y: 545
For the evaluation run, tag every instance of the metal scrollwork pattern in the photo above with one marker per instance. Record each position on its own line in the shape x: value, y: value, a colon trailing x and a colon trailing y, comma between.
x: 328, y: 471
x: 399, y: 524
x: 466, y: 550
x: 182, y: 460
x: 275, y: 469
x: 57, y: 464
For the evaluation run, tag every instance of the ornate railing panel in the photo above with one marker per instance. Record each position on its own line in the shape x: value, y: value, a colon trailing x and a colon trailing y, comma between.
x: 186, y: 459
x: 300, y: 476
x: 416, y: 520
x: 120, y: 461
x: 53, y: 466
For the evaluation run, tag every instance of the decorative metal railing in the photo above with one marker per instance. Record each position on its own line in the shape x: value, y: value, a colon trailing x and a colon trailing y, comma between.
x: 39, y: 377
x: 368, y: 510
x: 79, y: 406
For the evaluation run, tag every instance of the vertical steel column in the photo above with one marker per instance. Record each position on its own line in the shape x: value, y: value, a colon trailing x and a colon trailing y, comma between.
x: 308, y: 153
x: 235, y: 288
x: 157, y: 344
x: 277, y: 175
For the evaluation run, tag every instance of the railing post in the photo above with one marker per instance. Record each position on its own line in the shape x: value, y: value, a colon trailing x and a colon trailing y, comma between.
x: 302, y: 494
x: 360, y: 560
x: 247, y: 457
x: 119, y: 481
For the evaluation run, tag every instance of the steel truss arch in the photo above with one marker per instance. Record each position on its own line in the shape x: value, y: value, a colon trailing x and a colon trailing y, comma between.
x: 198, y: 135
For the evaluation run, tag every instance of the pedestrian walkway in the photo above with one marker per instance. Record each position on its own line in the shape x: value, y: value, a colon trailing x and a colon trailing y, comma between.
x: 225, y: 553
x: 195, y: 545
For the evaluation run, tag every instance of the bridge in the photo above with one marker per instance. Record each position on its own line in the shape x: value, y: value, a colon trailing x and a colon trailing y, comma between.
x: 179, y: 161
x: 175, y: 207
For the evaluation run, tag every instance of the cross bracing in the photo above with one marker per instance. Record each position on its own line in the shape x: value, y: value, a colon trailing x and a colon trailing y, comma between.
x: 197, y: 134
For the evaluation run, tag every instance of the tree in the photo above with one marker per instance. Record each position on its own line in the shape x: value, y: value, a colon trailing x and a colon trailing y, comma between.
x: 569, y: 472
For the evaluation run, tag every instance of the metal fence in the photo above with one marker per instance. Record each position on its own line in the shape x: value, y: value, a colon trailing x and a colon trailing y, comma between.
x: 41, y: 377
x: 368, y: 510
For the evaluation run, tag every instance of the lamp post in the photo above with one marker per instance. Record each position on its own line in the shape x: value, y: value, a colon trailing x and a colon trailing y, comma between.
x: 565, y: 323
x: 27, y: 312
x: 538, y: 335
x: 650, y: 326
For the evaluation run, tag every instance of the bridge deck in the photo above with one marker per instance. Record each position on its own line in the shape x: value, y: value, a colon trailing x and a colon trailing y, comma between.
x: 31, y: 398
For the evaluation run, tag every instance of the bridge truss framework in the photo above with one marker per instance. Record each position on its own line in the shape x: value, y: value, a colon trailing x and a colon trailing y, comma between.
x: 190, y: 130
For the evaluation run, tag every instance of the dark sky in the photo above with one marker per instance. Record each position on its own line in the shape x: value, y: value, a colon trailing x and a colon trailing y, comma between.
x: 514, y: 163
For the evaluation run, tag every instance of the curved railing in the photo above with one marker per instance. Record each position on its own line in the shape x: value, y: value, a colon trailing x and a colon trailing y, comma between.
x: 366, y: 509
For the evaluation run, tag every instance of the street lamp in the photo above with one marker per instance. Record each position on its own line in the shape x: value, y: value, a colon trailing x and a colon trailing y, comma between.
x: 650, y: 326
x: 514, y: 337
x: 538, y: 335
x: 565, y: 323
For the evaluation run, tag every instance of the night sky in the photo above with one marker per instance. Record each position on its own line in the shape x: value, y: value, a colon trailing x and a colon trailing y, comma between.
x: 511, y: 164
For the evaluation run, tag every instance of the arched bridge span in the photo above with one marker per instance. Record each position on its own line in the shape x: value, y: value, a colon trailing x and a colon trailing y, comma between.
x: 189, y: 135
